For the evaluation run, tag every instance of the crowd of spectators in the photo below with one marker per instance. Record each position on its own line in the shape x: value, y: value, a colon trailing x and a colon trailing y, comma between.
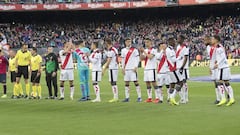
x: 195, y: 29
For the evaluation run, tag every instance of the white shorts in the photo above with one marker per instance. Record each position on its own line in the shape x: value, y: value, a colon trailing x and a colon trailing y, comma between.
x: 130, y: 76
x: 224, y: 74
x: 185, y: 74
x: 66, y: 75
x: 150, y: 75
x: 96, y: 76
x: 113, y: 75
x: 163, y: 79
x: 175, y: 76
x: 214, y: 74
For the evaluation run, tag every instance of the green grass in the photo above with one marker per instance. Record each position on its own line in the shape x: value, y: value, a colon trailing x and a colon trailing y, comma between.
x: 49, y: 117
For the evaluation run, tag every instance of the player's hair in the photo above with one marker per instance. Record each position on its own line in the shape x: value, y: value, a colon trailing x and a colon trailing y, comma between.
x: 95, y: 43
x: 147, y: 38
x: 182, y: 37
x: 34, y: 49
x: 217, y: 37
x: 126, y: 39
x: 171, y: 39
x: 78, y: 42
x: 22, y: 44
x: 108, y: 41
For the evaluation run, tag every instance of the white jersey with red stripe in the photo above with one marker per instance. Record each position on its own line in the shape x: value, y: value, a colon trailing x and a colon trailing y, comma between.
x: 182, y: 51
x: 221, y: 57
x: 211, y: 52
x: 96, y: 60
x: 164, y: 68
x: 171, y: 57
x: 130, y: 56
x: 113, y: 54
x: 150, y: 63
x: 64, y: 57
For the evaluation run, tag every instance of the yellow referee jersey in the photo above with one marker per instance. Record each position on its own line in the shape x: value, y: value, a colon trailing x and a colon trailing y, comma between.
x: 35, y: 62
x: 23, y: 58
x: 12, y: 64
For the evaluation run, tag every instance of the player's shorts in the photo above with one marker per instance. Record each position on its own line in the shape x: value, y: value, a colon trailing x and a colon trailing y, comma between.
x: 224, y: 74
x: 96, y: 76
x: 113, y: 75
x: 130, y: 76
x: 83, y: 75
x: 34, y: 77
x: 214, y: 74
x: 66, y: 75
x: 163, y: 79
x: 175, y: 76
x: 3, y: 78
x: 13, y: 76
x: 23, y: 70
x: 150, y: 75
x: 185, y: 74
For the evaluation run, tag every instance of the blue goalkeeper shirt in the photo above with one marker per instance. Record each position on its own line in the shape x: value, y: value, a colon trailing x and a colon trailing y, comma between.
x: 82, y: 59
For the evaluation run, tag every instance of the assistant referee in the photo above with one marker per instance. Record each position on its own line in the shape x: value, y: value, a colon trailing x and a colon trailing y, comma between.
x: 23, y: 60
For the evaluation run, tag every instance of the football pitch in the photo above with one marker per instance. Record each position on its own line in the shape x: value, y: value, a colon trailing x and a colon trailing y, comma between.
x: 53, y: 117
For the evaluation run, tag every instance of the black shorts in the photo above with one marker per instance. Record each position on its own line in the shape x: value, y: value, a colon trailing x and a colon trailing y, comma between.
x: 23, y: 70
x: 2, y: 78
x: 13, y: 76
x: 34, y: 77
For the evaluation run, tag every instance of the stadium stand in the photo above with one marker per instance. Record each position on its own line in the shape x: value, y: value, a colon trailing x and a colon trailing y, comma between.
x: 42, y: 35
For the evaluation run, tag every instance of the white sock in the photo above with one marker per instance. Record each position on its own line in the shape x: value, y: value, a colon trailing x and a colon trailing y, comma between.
x: 185, y: 89
x: 222, y: 92
x: 168, y: 94
x: 230, y: 91
x: 71, y: 91
x: 157, y: 93
x: 160, y: 94
x: 115, y: 91
x: 172, y: 95
x: 62, y: 92
x: 217, y: 94
x: 127, y: 90
x: 149, y: 92
x: 97, y: 91
x: 181, y: 94
x: 138, y: 89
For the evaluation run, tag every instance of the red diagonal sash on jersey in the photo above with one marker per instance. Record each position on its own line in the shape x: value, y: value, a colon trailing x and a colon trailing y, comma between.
x: 115, y: 54
x: 171, y: 67
x: 161, y: 63
x: 79, y: 51
x: 66, y: 61
x: 130, y: 51
x: 146, y: 59
x: 211, y: 52
x: 179, y: 50
x: 95, y: 53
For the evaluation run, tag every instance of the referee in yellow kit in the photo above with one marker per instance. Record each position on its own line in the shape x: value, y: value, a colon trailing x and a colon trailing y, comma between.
x: 23, y: 60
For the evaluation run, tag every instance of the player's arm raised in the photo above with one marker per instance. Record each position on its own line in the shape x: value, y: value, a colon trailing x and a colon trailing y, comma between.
x: 142, y: 55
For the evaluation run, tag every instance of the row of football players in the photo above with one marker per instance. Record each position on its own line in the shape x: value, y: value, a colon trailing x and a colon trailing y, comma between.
x: 167, y: 66
x: 219, y: 70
